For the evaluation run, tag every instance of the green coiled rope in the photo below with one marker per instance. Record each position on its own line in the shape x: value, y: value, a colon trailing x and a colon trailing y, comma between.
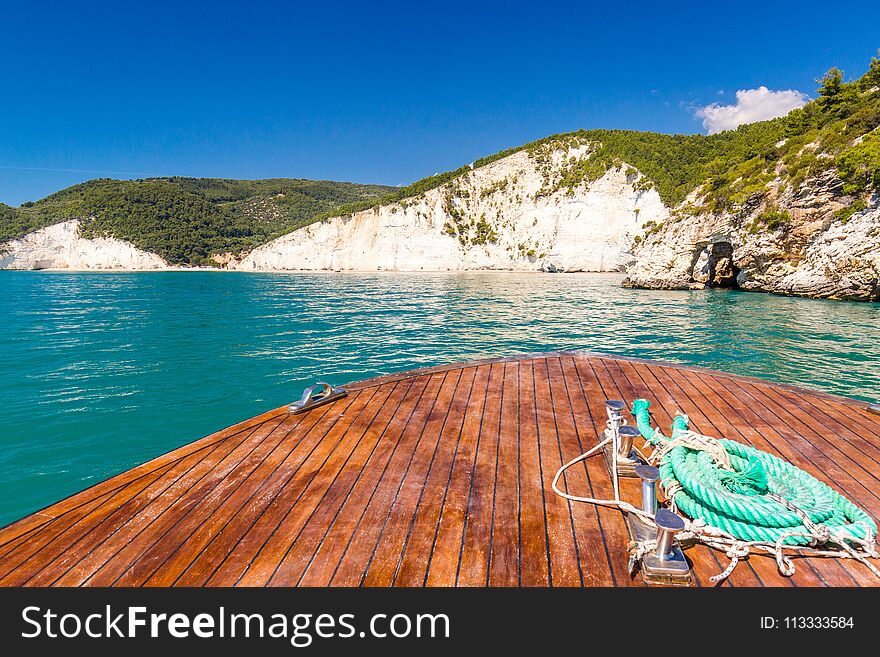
x: 761, y: 498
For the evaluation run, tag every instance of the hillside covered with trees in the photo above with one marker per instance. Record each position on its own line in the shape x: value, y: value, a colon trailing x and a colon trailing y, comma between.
x: 734, y: 164
x: 796, y: 214
x: 186, y: 220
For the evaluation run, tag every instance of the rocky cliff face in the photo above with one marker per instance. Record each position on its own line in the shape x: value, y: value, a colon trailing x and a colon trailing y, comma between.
x: 513, y: 214
x: 795, y: 241
x: 553, y: 208
x: 61, y: 247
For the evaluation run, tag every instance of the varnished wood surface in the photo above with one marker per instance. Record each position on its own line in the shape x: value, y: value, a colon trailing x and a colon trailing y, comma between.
x: 436, y: 477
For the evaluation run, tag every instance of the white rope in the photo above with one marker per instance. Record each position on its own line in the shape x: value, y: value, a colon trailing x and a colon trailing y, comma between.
x: 615, y: 503
x: 698, y: 442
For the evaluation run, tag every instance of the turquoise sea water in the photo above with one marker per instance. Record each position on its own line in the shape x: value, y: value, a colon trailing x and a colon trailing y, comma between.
x: 102, y: 371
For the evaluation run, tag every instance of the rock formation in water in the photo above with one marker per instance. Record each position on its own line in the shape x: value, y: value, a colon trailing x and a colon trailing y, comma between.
x: 798, y: 214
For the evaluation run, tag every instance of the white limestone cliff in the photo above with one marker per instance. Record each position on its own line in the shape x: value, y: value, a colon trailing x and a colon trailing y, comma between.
x: 62, y: 247
x: 512, y: 214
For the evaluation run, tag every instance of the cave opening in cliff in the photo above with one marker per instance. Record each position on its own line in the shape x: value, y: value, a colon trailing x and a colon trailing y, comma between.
x: 713, y: 265
x: 722, y: 271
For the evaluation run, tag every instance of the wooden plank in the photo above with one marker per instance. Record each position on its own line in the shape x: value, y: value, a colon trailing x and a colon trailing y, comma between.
x: 705, y: 418
x: 160, y: 510
x: 803, y: 453
x: 413, y: 564
x: 612, y: 521
x: 726, y: 425
x: 435, y: 477
x: 504, y: 543
x: 94, y: 534
x: 811, y: 428
x: 668, y: 400
x: 666, y: 403
x: 196, y: 495
x: 476, y: 548
x: 24, y: 565
x: 31, y: 541
x: 312, y: 481
x: 248, y: 536
x: 71, y: 541
x: 369, y: 506
x: 562, y: 544
x: 374, y: 551
x: 535, y: 562
x: 370, y: 457
x: 579, y: 433
x: 298, y: 445
x: 220, y: 530
x: 839, y: 421
x: 42, y: 518
x: 446, y: 549
x: 183, y: 537
x: 72, y: 510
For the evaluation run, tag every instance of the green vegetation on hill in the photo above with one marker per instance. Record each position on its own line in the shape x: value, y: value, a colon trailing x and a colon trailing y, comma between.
x: 735, y: 165
x: 186, y: 220
x: 836, y: 131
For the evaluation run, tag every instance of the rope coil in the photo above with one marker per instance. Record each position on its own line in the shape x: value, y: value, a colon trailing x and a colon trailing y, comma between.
x: 740, y: 499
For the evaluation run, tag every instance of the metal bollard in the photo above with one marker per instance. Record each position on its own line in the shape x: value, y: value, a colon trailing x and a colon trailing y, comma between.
x: 649, y: 476
x: 626, y: 434
x: 614, y: 408
x: 668, y: 524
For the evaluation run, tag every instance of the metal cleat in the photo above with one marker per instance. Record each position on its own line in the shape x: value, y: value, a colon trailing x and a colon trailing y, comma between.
x: 317, y: 395
x: 666, y: 563
x: 626, y: 458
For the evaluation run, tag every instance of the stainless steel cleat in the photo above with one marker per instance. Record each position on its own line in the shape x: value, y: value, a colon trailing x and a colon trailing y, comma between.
x: 638, y: 529
x: 626, y: 458
x: 317, y: 395
x: 666, y: 564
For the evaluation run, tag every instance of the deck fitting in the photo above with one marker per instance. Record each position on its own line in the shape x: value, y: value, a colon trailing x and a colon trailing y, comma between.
x: 671, y: 569
x: 626, y: 467
x: 626, y: 457
x: 317, y: 395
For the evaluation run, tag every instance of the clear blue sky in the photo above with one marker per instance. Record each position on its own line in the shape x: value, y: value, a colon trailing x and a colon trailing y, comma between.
x: 377, y: 91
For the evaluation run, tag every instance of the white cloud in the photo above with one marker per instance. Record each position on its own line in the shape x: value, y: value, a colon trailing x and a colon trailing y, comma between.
x: 751, y: 105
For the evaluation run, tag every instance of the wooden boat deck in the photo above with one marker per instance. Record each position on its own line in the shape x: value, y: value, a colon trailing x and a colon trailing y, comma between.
x: 435, y: 477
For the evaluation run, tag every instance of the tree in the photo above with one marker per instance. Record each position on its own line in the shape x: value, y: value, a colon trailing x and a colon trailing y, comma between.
x: 830, y: 86
x: 871, y: 79
x: 796, y: 122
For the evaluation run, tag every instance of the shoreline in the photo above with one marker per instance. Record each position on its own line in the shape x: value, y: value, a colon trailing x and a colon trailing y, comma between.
x: 70, y: 270
x: 622, y: 276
